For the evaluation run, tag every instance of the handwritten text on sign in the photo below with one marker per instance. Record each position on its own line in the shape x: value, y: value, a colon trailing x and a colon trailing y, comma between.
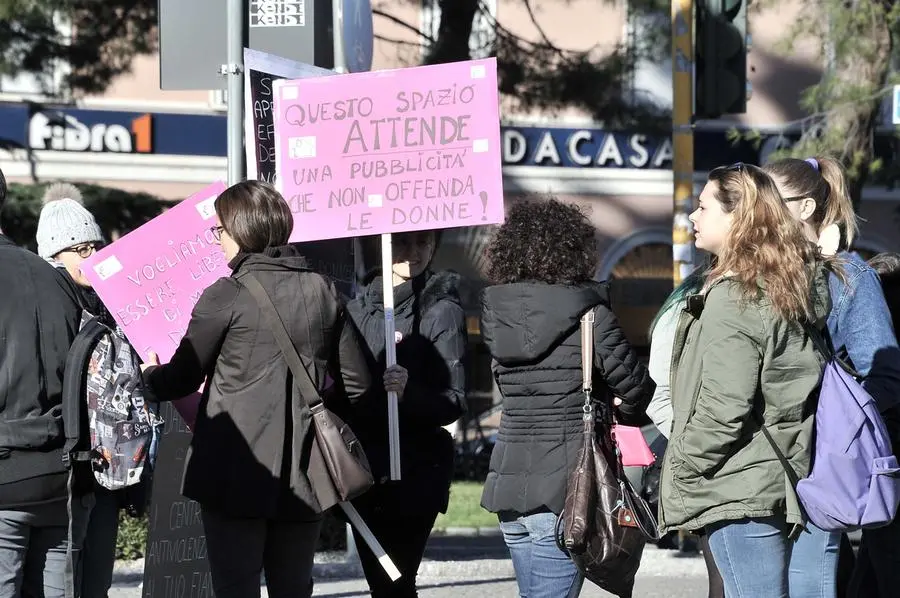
x: 151, y: 278
x: 391, y: 151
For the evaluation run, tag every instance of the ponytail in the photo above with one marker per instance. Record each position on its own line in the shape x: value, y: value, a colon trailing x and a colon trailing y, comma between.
x: 838, y: 206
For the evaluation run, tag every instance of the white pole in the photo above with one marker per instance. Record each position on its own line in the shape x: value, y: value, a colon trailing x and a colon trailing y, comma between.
x: 390, y: 351
x: 234, y: 71
x: 337, y: 26
x: 371, y: 541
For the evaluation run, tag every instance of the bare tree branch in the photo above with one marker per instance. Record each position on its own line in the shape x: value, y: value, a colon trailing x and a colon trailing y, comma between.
x: 399, y: 42
x: 404, y: 24
x: 537, y: 26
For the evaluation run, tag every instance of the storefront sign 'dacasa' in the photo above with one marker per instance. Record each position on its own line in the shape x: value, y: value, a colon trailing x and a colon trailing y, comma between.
x: 542, y: 146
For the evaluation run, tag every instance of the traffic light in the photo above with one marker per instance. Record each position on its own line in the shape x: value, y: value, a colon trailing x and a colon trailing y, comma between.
x: 720, y: 51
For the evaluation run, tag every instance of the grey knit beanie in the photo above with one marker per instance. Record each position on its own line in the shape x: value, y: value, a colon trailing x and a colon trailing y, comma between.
x: 64, y: 222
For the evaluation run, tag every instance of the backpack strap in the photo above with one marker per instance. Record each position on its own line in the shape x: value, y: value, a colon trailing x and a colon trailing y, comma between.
x: 823, y: 343
x: 302, y: 377
x: 791, y: 499
x: 74, y: 380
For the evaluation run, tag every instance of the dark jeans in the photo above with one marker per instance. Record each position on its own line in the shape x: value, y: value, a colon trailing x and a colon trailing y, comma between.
x: 241, y: 549
x: 877, y: 571
x: 33, y: 548
x: 402, y: 528
x: 98, y: 554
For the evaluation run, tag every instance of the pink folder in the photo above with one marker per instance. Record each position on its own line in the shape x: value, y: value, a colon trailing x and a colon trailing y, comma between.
x: 633, y: 446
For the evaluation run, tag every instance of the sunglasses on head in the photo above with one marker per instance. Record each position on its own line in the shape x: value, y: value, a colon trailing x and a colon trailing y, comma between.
x: 740, y: 167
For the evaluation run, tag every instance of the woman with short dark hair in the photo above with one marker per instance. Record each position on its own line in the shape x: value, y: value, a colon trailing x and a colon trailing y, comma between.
x: 248, y: 457
x: 542, y: 261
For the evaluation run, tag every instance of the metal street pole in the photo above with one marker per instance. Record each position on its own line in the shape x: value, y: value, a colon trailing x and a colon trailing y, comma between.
x: 337, y: 20
x: 682, y: 137
x: 234, y: 70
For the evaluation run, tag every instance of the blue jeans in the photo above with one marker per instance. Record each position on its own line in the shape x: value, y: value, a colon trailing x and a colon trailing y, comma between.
x: 814, y: 561
x: 542, y: 569
x: 753, y: 556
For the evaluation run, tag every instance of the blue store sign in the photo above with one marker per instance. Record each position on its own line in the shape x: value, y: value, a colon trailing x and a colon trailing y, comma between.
x: 75, y: 130
x: 583, y: 148
x: 78, y: 130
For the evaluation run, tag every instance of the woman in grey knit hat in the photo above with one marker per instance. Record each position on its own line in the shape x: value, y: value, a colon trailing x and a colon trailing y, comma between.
x: 67, y: 232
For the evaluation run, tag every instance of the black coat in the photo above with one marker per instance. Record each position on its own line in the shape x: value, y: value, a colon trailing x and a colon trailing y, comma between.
x: 533, y: 331
x: 432, y: 347
x: 39, y: 318
x: 250, y: 446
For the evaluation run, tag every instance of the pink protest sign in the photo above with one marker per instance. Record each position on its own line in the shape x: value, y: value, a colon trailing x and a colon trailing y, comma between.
x: 390, y: 151
x: 151, y: 278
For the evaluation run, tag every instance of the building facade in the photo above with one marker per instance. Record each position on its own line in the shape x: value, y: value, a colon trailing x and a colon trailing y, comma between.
x: 172, y: 143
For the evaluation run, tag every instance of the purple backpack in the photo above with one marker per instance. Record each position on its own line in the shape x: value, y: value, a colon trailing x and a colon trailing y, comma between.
x: 854, y: 481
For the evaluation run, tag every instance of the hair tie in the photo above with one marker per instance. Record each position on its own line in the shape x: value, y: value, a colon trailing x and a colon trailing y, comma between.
x: 813, y: 162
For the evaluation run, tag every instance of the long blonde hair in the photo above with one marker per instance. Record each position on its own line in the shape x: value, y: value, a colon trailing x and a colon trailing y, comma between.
x: 823, y: 180
x: 765, y: 250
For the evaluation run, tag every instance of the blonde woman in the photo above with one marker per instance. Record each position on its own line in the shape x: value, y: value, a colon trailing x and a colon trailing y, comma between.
x: 744, y: 362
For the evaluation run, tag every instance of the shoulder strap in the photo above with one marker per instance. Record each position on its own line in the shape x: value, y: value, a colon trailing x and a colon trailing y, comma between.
x: 823, y: 344
x: 798, y: 528
x: 785, y: 464
x: 302, y: 377
x: 587, y: 352
x: 73, y: 390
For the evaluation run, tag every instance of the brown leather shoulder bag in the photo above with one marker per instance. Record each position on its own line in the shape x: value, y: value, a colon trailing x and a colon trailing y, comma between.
x: 338, y: 468
x: 605, y: 523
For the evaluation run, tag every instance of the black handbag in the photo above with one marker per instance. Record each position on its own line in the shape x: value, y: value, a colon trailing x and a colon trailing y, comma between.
x: 605, y: 523
x: 338, y: 468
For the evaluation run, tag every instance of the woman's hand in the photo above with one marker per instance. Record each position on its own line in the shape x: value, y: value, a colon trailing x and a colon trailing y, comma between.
x: 395, y: 378
x: 152, y: 359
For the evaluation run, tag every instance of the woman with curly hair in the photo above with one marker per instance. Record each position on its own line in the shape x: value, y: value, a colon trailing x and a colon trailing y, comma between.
x: 745, y: 380
x: 542, y: 261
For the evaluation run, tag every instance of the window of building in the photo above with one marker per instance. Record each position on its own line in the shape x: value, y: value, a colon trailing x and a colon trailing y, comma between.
x: 639, y: 284
x: 39, y: 86
x: 647, y: 33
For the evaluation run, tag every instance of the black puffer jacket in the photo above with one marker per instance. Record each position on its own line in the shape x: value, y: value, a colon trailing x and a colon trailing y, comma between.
x: 533, y: 333
x: 432, y: 347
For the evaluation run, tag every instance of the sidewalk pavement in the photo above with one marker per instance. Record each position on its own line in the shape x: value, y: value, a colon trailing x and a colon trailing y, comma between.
x: 459, y: 555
